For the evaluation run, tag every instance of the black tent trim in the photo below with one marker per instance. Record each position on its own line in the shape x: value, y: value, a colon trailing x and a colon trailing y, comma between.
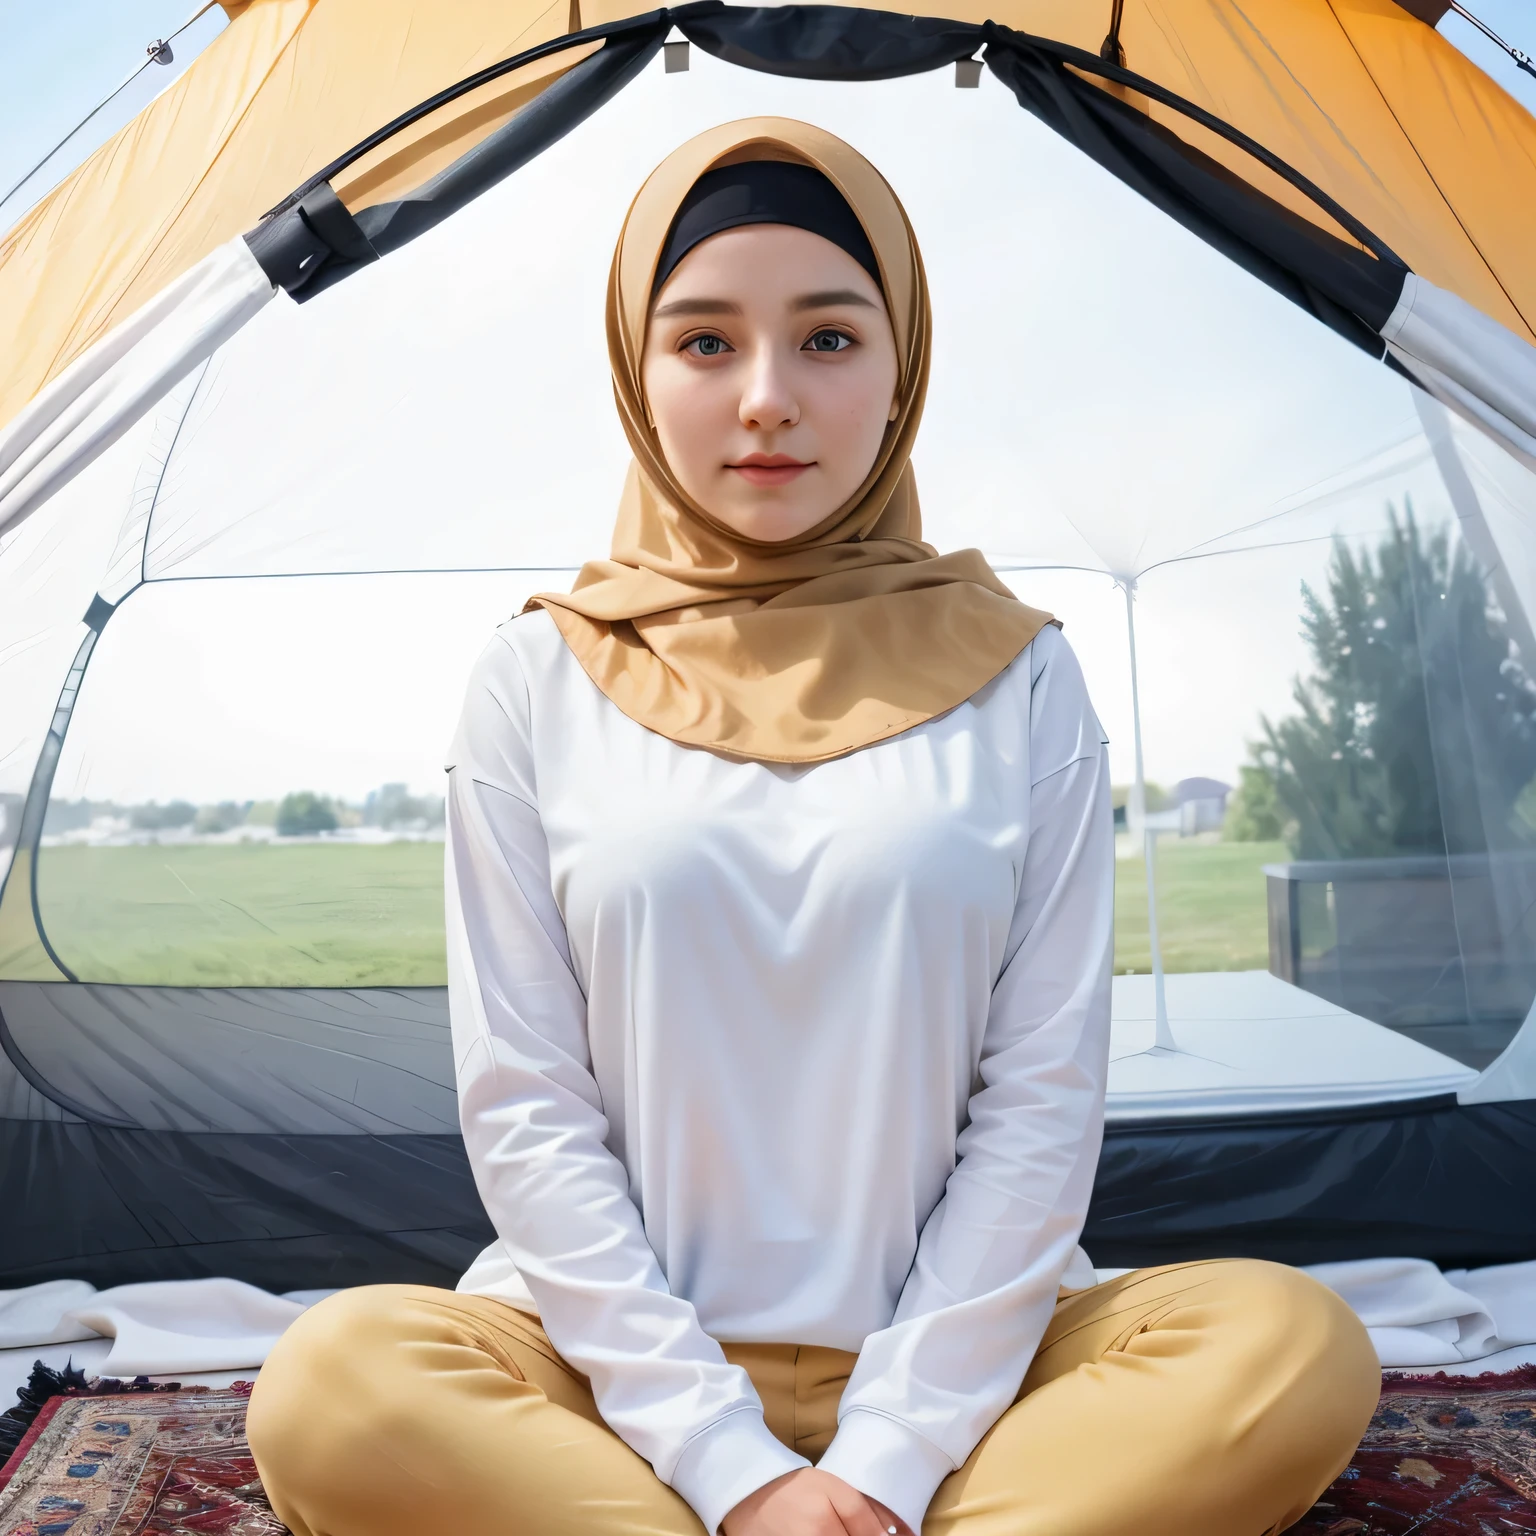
x: 310, y: 240
x: 1430, y: 1178
x: 114, y: 1205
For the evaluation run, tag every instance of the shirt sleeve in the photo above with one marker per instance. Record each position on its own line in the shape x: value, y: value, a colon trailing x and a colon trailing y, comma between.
x: 993, y: 1251
x: 535, y: 1131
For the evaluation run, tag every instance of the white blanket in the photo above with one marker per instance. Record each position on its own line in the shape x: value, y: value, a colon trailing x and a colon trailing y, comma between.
x: 160, y: 1328
x: 1416, y: 1316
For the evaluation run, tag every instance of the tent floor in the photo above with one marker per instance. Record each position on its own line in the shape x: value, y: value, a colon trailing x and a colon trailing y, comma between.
x: 1251, y: 1043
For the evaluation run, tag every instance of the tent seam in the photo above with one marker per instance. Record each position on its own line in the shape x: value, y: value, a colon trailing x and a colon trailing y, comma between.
x: 103, y: 328
x: 165, y: 467
x: 1433, y: 179
x: 1312, y: 99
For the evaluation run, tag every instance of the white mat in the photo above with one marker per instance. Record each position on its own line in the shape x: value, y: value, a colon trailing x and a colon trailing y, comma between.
x: 216, y: 1331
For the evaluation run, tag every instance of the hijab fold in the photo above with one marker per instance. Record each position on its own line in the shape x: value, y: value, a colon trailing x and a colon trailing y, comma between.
x: 798, y: 651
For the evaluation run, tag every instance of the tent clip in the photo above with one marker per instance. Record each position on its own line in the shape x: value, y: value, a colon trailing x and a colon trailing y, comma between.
x: 1111, y: 50
x: 98, y: 613
x: 292, y: 247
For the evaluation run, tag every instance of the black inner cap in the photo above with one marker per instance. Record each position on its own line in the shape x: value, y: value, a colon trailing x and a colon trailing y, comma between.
x: 764, y: 192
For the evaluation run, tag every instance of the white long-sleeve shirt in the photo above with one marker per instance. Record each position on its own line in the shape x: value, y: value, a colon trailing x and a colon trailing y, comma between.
x: 798, y: 1054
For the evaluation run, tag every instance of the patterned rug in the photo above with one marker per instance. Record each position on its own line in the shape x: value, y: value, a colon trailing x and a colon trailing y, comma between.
x: 137, y: 1461
x: 1444, y: 1456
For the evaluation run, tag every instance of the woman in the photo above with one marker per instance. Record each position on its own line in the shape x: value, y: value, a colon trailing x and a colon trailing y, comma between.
x: 780, y: 886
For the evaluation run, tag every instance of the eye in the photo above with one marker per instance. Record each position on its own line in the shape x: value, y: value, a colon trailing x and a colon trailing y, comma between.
x: 828, y: 341
x: 707, y: 346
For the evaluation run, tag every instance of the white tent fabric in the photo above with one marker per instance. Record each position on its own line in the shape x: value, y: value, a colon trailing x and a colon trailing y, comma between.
x: 1467, y: 361
x: 323, y: 431
x: 50, y: 567
x: 1513, y: 1075
x: 110, y: 386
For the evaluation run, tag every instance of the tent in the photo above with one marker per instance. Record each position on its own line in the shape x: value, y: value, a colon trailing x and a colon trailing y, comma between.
x: 183, y: 434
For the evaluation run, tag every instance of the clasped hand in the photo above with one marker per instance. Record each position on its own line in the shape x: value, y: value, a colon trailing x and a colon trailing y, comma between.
x: 810, y: 1503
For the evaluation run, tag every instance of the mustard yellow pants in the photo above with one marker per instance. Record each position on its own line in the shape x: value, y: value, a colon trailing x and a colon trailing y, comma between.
x: 1210, y: 1399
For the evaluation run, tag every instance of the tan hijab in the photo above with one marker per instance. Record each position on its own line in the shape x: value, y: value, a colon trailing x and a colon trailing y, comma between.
x: 798, y: 651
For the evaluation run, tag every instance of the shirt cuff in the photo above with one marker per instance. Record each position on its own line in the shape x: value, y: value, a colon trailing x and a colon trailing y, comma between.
x: 886, y: 1460
x: 721, y: 1465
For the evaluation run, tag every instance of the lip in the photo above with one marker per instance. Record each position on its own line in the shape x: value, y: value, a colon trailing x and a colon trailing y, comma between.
x: 768, y: 469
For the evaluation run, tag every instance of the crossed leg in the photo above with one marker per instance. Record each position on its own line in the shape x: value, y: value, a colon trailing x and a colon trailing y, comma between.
x: 1212, y: 1399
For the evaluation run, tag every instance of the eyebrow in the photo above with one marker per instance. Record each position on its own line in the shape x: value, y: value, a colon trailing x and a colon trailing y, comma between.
x: 697, y: 307
x: 829, y: 299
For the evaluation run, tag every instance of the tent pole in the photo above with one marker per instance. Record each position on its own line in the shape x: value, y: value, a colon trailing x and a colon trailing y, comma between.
x: 1137, y: 811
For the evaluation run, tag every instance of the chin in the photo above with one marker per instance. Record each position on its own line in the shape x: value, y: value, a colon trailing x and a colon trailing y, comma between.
x: 768, y: 521
x: 777, y: 527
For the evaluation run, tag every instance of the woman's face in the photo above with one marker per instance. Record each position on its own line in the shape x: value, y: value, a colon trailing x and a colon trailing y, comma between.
x: 770, y: 371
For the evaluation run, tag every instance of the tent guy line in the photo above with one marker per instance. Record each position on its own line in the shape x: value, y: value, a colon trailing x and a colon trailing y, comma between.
x: 158, y: 52
x: 1521, y: 58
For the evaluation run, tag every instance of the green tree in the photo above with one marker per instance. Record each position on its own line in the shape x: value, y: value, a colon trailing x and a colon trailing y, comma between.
x: 223, y: 817
x: 304, y: 812
x: 162, y: 818
x: 1417, y: 732
x: 1253, y: 811
x: 1158, y: 798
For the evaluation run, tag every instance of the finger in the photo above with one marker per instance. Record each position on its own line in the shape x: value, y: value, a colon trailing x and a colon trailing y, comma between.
x: 857, y: 1514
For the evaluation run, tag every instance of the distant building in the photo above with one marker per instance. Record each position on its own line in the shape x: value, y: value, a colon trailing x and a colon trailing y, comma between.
x: 1191, y: 806
x: 1202, y: 805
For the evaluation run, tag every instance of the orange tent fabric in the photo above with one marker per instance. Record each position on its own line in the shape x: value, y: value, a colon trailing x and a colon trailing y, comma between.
x: 1369, y: 102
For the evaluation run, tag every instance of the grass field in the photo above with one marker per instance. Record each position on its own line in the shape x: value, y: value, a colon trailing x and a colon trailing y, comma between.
x: 1211, y: 910
x: 330, y: 915
x: 248, y: 914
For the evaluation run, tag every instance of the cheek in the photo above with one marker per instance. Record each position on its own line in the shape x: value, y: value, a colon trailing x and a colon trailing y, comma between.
x: 685, y: 403
x: 856, y: 407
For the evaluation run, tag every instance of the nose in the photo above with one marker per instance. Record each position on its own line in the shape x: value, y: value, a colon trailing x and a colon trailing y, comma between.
x: 768, y: 400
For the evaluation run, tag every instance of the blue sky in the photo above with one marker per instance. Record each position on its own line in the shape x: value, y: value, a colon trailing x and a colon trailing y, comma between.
x: 64, y: 56
x: 61, y: 57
